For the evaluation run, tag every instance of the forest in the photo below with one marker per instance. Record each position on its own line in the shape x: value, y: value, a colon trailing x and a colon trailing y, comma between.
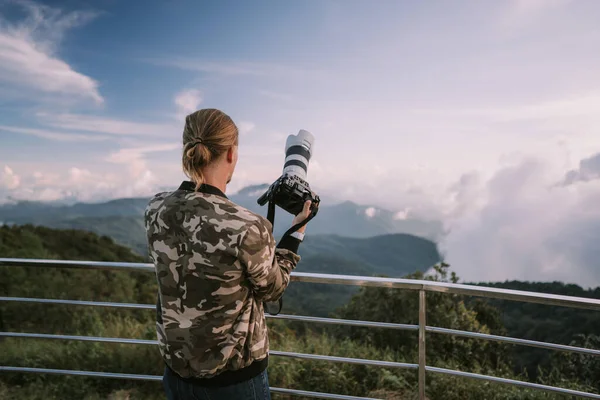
x: 575, y: 327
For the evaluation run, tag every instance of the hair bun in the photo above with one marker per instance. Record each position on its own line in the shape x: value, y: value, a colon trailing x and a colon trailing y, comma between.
x: 212, y: 128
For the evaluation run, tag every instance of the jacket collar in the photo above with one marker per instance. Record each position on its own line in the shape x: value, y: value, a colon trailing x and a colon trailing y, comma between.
x: 204, y: 188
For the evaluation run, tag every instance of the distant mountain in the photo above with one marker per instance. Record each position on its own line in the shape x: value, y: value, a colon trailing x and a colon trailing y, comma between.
x: 126, y: 230
x: 22, y: 212
x: 392, y: 255
x: 64, y: 244
x: 253, y: 191
x: 395, y: 255
x: 346, y: 219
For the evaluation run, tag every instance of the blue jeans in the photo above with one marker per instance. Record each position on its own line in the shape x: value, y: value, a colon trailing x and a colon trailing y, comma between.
x: 256, y: 388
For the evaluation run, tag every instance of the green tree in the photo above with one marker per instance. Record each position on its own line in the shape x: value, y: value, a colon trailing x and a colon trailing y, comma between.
x: 443, y: 310
x: 369, y: 304
x: 576, y: 367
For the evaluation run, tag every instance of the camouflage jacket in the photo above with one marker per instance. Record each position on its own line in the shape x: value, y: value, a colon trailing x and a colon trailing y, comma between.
x: 216, y: 263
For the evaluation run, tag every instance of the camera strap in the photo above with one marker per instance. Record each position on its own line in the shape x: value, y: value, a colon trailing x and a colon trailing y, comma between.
x: 271, y: 218
x: 299, y: 225
x: 271, y: 213
x: 294, y: 228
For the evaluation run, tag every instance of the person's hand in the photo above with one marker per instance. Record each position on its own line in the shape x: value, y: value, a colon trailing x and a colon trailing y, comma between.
x: 302, y: 215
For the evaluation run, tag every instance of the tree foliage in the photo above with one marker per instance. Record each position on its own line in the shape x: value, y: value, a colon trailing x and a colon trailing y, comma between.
x: 443, y: 310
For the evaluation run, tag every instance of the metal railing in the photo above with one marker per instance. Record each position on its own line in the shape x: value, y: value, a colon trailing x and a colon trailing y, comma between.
x: 422, y: 286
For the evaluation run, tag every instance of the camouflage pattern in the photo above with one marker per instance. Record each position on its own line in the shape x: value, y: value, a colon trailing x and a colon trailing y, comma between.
x: 216, y: 262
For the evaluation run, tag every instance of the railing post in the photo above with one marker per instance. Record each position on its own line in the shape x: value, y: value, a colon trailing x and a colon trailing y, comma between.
x: 422, y: 324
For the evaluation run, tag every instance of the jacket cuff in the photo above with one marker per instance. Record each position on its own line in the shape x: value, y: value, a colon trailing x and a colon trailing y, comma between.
x: 289, y: 243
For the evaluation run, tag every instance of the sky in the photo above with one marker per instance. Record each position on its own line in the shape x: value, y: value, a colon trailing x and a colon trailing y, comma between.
x: 484, y: 114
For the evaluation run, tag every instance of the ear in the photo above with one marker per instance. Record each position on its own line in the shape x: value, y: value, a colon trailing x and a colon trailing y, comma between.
x: 230, y: 155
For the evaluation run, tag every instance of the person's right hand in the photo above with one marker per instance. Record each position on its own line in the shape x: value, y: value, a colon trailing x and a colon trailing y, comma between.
x: 302, y: 215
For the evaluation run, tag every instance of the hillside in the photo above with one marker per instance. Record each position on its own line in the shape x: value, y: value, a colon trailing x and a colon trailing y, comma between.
x: 126, y: 230
x: 28, y: 211
x: 46, y: 243
x: 391, y: 255
x: 30, y: 241
x: 544, y: 323
x: 369, y: 303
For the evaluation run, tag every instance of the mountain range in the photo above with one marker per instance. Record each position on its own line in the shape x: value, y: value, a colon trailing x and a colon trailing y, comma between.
x: 344, y: 238
x: 121, y: 219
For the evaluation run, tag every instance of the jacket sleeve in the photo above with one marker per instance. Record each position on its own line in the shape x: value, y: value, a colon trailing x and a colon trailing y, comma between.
x: 268, y: 267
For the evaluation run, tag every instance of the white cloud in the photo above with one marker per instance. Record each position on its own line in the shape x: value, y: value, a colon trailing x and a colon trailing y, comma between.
x: 370, y: 212
x: 276, y: 95
x: 246, y: 127
x: 45, y: 178
x: 519, y: 15
x: 521, y: 225
x: 92, y: 123
x: 126, y: 172
x: 232, y: 68
x: 9, y: 180
x: 574, y: 106
x: 521, y: 8
x: 52, y: 135
x: 187, y: 101
x: 91, y: 182
x: 401, y: 215
x: 28, y: 57
x: 589, y: 169
x: 78, y: 175
x: 134, y: 157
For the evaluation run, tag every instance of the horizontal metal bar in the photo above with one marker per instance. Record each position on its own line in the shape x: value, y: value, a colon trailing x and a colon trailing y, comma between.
x: 158, y: 378
x: 513, y: 382
x: 507, y: 339
x: 82, y: 373
x: 352, y: 280
x: 154, y: 342
x: 432, y: 329
x: 361, y: 361
x: 450, y: 288
x: 301, y: 392
x: 101, y: 265
x: 318, y: 395
x: 81, y: 338
x: 337, y: 321
x: 80, y: 303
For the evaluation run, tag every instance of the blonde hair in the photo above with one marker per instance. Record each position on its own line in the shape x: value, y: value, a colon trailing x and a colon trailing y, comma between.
x: 207, y: 134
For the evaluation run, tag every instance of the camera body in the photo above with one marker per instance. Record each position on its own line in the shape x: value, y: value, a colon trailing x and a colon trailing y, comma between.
x: 291, y: 190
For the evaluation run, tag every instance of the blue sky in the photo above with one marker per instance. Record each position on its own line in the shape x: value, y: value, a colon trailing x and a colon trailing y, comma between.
x: 464, y: 111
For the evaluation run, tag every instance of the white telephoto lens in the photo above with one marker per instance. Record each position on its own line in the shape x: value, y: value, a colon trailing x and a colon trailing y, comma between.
x: 298, y: 149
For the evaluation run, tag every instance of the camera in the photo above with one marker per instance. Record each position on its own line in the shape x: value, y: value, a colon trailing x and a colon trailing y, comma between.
x: 291, y: 190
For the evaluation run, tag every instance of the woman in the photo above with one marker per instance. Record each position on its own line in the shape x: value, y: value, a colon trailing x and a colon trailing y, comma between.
x: 216, y: 263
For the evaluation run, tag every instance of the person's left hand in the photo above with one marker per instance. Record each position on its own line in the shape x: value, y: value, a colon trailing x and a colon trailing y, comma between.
x: 302, y: 215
